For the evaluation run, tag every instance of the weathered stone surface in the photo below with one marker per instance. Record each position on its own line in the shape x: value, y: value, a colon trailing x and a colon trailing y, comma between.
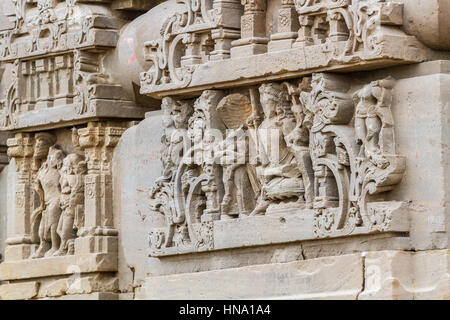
x: 406, y: 275
x: 55, y: 266
x: 132, y: 184
x: 326, y: 278
x: 286, y: 149
x: 394, y: 275
x: 15, y: 291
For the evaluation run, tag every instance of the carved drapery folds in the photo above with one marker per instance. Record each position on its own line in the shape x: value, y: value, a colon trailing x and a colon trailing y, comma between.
x: 315, y: 145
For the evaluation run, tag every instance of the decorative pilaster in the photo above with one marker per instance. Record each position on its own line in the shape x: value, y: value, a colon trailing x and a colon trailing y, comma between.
x: 19, y: 244
x: 64, y: 78
x: 253, y: 30
x: 288, y: 27
x: 3, y: 150
x: 227, y: 13
x: 338, y: 30
x: 98, y: 233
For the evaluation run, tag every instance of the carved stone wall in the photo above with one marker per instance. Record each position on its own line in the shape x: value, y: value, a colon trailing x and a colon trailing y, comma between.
x: 160, y: 148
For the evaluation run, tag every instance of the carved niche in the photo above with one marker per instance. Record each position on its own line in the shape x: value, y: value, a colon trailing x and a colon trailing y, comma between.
x: 311, y: 146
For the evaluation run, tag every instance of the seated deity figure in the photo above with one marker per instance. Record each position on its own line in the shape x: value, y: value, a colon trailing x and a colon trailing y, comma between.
x: 72, y: 200
x: 43, y: 142
x: 298, y: 139
x: 278, y: 169
x: 49, y: 191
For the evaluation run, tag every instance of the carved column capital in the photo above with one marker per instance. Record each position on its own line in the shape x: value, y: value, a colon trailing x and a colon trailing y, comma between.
x: 21, y: 149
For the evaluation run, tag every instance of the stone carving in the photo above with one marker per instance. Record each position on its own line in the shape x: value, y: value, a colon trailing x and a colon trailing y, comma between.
x: 72, y: 201
x: 339, y: 33
x: 292, y: 145
x: 57, y: 60
x: 203, y: 31
x: 239, y: 177
x: 279, y: 139
x: 49, y: 211
x: 359, y: 23
x: 348, y: 162
x: 59, y: 184
x: 3, y: 151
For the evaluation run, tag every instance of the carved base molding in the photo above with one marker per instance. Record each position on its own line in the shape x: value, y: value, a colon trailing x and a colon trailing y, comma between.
x: 87, y: 274
x: 290, y: 225
x: 360, y: 276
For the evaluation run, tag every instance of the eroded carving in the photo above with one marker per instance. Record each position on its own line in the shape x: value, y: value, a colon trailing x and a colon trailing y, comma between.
x: 287, y: 146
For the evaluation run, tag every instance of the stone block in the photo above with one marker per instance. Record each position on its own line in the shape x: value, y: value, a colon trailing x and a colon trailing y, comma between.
x: 19, y: 291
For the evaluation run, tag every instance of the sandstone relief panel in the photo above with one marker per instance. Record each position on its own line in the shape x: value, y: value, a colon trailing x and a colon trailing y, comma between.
x: 308, y: 147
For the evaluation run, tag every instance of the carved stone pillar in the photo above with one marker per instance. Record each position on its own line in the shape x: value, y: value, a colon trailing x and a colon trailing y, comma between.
x: 288, y: 27
x: 253, y: 30
x: 227, y: 13
x: 29, y: 96
x: 98, y: 233
x: 19, y: 244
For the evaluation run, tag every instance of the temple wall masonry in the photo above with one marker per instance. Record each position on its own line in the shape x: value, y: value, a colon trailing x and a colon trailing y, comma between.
x: 224, y: 149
